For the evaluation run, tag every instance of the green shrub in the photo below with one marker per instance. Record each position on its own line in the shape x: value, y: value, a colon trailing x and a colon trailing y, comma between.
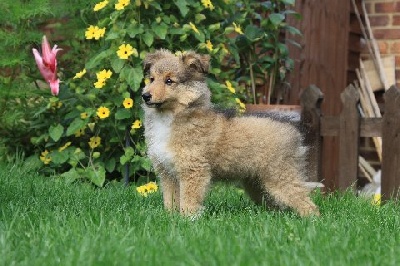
x: 92, y: 129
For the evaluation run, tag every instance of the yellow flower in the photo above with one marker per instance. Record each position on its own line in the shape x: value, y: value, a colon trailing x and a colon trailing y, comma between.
x: 66, y: 145
x: 209, y: 45
x: 100, y: 5
x: 80, y: 74
x: 144, y: 190
x: 125, y: 50
x: 146, y: 81
x: 99, y: 33
x: 229, y: 86
x: 44, y: 157
x: 194, y: 28
x: 84, y: 115
x: 152, y: 186
x: 104, y: 74
x: 94, y: 32
x: 237, y: 28
x: 377, y: 199
x: 122, y: 4
x: 99, y: 83
x: 137, y: 124
x: 90, y: 32
x: 103, y: 112
x: 128, y: 103
x: 80, y: 132
x: 242, y: 106
x: 94, y: 142
x: 207, y: 4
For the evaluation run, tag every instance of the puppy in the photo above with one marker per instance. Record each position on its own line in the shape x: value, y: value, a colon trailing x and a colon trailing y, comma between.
x: 191, y: 145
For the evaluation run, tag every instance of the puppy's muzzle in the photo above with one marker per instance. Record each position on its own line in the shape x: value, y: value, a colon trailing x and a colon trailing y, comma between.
x: 147, y: 100
x: 146, y: 97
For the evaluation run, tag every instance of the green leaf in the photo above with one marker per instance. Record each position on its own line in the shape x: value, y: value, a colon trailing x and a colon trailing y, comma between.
x: 110, y: 164
x: 96, y: 60
x: 59, y: 157
x: 199, y: 17
x: 56, y: 132
x: 160, y: 30
x: 148, y: 38
x: 293, y: 30
x: 182, y: 5
x: 133, y: 76
x: 97, y: 175
x: 134, y: 29
x: 117, y: 64
x: 71, y: 175
x: 115, y: 35
x: 276, y: 18
x: 253, y: 33
x: 75, y: 126
x: 122, y: 114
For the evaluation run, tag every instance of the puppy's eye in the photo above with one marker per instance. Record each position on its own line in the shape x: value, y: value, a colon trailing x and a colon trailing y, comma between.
x: 151, y: 79
x: 168, y: 81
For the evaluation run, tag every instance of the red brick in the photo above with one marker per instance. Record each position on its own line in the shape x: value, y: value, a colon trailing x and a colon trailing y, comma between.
x: 369, y: 7
x: 396, y: 20
x: 387, y: 34
x: 395, y: 48
x: 383, y: 47
x: 397, y: 62
x: 379, y: 20
x: 387, y: 7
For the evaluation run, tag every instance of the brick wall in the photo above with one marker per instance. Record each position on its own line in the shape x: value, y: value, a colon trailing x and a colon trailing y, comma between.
x: 384, y: 16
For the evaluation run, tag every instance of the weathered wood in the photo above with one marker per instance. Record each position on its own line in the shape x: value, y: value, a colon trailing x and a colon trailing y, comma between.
x: 349, y: 134
x: 391, y: 145
x: 310, y: 101
x: 321, y: 61
x: 369, y: 127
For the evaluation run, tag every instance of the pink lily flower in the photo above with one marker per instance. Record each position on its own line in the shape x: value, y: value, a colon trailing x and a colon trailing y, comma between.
x: 47, y: 64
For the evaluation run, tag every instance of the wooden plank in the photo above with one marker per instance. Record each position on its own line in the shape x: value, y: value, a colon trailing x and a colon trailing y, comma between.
x: 391, y: 145
x: 325, y: 63
x: 369, y: 127
x: 349, y: 136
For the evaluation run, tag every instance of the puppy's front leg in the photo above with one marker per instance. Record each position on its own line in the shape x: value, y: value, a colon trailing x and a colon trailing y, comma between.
x: 193, y: 186
x: 170, y: 189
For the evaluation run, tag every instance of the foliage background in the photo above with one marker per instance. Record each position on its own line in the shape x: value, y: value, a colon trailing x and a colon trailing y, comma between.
x: 62, y: 129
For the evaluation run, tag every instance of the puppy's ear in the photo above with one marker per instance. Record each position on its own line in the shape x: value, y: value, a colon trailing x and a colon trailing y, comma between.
x: 151, y: 58
x: 199, y: 63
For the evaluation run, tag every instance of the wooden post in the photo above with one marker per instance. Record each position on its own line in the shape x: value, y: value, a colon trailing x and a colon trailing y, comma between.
x: 391, y: 145
x: 310, y: 101
x: 349, y: 134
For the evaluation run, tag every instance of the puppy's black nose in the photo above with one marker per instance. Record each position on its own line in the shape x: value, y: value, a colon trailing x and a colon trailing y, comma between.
x: 146, y: 96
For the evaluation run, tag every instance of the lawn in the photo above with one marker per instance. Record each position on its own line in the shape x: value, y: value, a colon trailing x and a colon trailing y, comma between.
x: 44, y: 221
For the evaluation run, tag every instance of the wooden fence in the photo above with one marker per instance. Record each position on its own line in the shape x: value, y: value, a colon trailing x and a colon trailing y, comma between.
x: 349, y: 126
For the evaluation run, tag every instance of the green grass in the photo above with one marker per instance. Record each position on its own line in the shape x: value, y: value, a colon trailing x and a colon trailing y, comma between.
x: 44, y: 221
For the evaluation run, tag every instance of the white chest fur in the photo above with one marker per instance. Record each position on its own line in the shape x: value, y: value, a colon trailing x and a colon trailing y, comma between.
x: 158, y: 136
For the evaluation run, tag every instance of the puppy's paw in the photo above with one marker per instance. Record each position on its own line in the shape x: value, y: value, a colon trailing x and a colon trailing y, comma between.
x: 193, y: 215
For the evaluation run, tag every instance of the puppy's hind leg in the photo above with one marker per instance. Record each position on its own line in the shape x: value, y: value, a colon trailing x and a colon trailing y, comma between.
x: 257, y: 193
x: 288, y: 190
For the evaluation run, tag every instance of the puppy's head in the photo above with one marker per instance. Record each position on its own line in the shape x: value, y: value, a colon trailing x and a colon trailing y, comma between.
x: 175, y: 80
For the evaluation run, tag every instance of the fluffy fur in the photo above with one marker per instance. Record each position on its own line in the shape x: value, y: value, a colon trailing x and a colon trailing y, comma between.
x: 191, y: 145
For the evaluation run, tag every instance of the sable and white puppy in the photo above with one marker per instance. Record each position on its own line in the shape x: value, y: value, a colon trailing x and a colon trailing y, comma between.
x: 190, y: 145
